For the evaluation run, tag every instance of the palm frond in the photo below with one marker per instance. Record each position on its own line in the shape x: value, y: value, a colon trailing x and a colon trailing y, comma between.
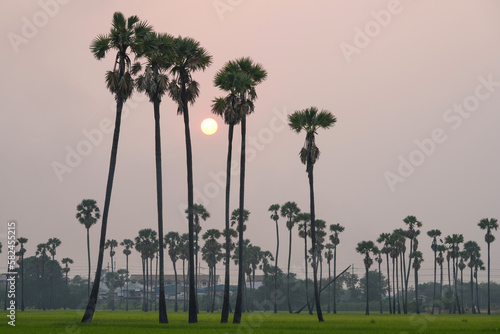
x: 99, y: 46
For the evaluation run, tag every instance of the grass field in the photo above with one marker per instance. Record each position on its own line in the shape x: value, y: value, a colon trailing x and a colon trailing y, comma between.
x: 68, y: 322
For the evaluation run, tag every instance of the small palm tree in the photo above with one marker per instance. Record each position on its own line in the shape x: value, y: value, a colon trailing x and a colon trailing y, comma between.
x: 212, y: 255
x: 172, y: 240
x: 440, y: 259
x: 365, y: 248
x: 472, y: 250
x: 488, y: 225
x: 274, y: 216
x: 128, y: 244
x: 123, y: 36
x: 289, y: 210
x: 411, y: 233
x: 479, y: 265
x: 461, y: 265
x: 334, y: 238
x: 310, y: 120
x: 111, y: 244
x: 22, y: 241
x: 386, y: 249
x: 329, y: 258
x: 52, y: 245
x: 41, y: 251
x: 66, y: 261
x: 303, y: 219
x: 417, y: 260
x: 88, y: 214
x: 434, y: 234
x: 454, y: 242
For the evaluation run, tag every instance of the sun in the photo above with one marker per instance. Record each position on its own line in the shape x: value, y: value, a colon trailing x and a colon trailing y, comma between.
x: 209, y: 126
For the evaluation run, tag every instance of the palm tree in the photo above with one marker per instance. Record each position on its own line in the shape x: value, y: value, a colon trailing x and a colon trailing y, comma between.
x: 411, y: 233
x: 488, y: 225
x: 472, y: 250
x: 172, y: 240
x: 41, y: 250
x: 128, y: 244
x: 379, y: 261
x: 199, y: 211
x: 183, y: 255
x: 434, y: 234
x: 440, y: 259
x: 365, y: 248
x: 461, y: 266
x: 146, y: 243
x: 187, y: 57
x: 274, y: 216
x: 417, y: 261
x: 310, y: 120
x: 240, y: 78
x: 334, y: 238
x: 289, y: 210
x: 454, y: 241
x: 479, y: 265
x: 66, y: 261
x: 156, y: 48
x: 212, y: 254
x: 111, y: 244
x: 386, y: 249
x: 228, y: 109
x: 22, y: 251
x: 397, y: 242
x: 304, y: 219
x: 123, y: 36
x: 52, y: 245
x: 329, y: 257
x: 88, y: 214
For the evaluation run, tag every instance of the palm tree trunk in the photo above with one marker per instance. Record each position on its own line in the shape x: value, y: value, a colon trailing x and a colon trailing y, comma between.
x: 22, y: 281
x: 434, y: 294
x: 225, y: 302
x: 156, y: 282
x: 175, y: 276
x: 276, y: 269
x: 380, y: 286
x: 334, y: 276
x: 197, y: 272
x: 193, y: 305
x: 489, y: 308
x: 288, y: 273
x: 88, y: 254
x: 163, y: 319
x: 126, y: 298
x: 305, y: 257
x: 313, y: 241
x: 441, y: 287
x: 397, y: 287
x: 462, y: 289
x: 152, y: 293
x: 416, y: 290
x: 455, y: 278
x: 402, y: 270
x: 215, y: 289
x: 143, y: 285
x: 472, y: 292
x: 367, y: 312
x: 89, y: 311
x: 67, y: 292
x: 408, y: 276
x: 147, y: 284
x: 449, y: 282
x: 330, y: 288
x: 388, y: 282
x: 51, y: 277
x: 184, y: 308
x: 477, y: 297
x: 241, y: 277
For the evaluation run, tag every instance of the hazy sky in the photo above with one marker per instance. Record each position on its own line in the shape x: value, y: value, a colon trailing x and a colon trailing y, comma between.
x: 415, y: 86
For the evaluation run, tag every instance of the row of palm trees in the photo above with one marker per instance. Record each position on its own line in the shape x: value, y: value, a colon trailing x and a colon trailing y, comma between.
x: 393, y: 245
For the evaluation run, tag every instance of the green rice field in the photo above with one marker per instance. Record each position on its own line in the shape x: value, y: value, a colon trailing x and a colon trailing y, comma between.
x: 68, y: 322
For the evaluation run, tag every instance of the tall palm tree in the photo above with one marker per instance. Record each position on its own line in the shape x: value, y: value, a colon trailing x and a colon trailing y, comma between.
x: 304, y: 219
x: 187, y: 57
x: 488, y: 225
x: 440, y: 259
x: 365, y: 248
x: 122, y: 37
x: 52, y: 245
x: 386, y: 249
x: 240, y: 77
x: 411, y: 233
x: 472, y: 250
x: 22, y: 241
x: 274, y: 216
x: 289, y: 210
x: 66, y: 261
x: 310, y: 120
x: 172, y: 240
x: 434, y: 234
x: 329, y: 258
x: 228, y: 109
x: 128, y: 244
x: 156, y: 49
x: 111, y: 244
x: 417, y: 261
x: 334, y: 238
x: 88, y: 214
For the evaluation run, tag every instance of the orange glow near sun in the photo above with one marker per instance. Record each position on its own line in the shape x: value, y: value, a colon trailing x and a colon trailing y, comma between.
x: 209, y: 126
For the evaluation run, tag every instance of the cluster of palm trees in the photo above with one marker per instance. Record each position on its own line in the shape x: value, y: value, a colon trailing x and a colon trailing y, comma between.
x: 393, y: 245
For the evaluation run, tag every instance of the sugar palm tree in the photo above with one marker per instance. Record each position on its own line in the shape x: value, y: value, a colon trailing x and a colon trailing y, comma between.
x: 274, y: 216
x: 472, y: 249
x: 88, y: 214
x: 329, y: 258
x: 386, y: 249
x: 172, y: 240
x: 461, y: 265
x: 199, y: 211
x: 417, y: 261
x: 52, y: 245
x: 304, y: 219
x: 188, y: 57
x: 240, y: 77
x: 22, y: 241
x: 310, y: 120
x: 334, y: 238
x: 156, y: 49
x: 146, y: 243
x: 411, y: 233
x: 229, y: 109
x: 66, y: 261
x: 479, y: 265
x: 122, y: 38
x: 128, y: 244
x: 440, y: 259
x: 365, y: 248
x: 434, y: 234
x: 488, y: 225
x: 111, y: 244
x: 289, y: 210
x: 41, y: 251
x: 378, y: 253
x: 212, y: 254
x: 454, y: 241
